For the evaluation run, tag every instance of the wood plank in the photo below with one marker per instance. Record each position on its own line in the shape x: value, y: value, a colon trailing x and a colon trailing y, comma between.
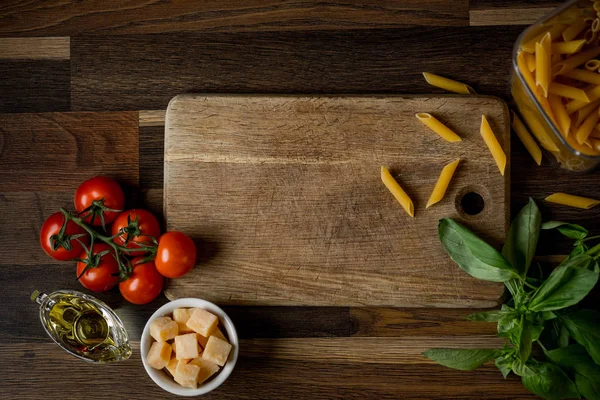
x: 152, y: 118
x: 152, y: 139
x: 120, y: 73
x: 57, y: 151
x: 34, y: 86
x: 43, y: 48
x: 67, y: 18
x: 286, y: 192
x: 508, y: 16
x: 271, y: 378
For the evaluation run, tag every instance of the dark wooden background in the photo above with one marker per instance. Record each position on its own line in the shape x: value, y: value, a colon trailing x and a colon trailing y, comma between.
x: 83, y: 89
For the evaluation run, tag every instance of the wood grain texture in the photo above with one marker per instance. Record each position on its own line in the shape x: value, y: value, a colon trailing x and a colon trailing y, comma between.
x: 34, y: 86
x: 67, y: 18
x: 507, y: 16
x: 45, y: 48
x: 120, y: 72
x: 285, y: 192
x: 152, y: 118
x: 57, y: 151
x: 267, y: 376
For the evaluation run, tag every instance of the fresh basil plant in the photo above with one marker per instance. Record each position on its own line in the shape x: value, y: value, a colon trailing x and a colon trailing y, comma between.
x: 542, y: 310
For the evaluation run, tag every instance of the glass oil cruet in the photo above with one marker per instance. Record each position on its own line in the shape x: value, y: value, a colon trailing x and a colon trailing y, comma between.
x: 83, y: 326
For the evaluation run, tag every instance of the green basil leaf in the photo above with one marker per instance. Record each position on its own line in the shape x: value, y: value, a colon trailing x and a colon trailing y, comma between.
x: 463, y: 359
x: 536, y: 332
x: 504, y: 364
x: 572, y: 231
x: 566, y: 286
x: 575, y: 359
x: 551, y: 383
x: 508, y: 324
x: 487, y: 316
x: 584, y: 327
x: 524, y: 339
x: 473, y: 255
x: 548, y: 315
x: 522, y: 239
x: 563, y: 336
x: 522, y: 368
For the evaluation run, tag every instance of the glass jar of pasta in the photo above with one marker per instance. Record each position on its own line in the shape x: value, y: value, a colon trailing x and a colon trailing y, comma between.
x: 555, y: 83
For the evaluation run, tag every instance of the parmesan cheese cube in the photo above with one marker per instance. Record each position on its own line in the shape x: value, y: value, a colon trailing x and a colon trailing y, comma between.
x: 187, y: 346
x: 172, y: 366
x: 163, y: 329
x: 202, y: 322
x: 216, y: 351
x: 217, y: 333
x: 207, y: 369
x: 174, y: 347
x: 201, y: 340
x: 181, y: 316
x: 187, y: 375
x: 159, y: 355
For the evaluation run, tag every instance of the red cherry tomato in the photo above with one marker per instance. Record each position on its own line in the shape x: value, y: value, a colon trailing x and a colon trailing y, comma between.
x: 102, y: 277
x: 144, y: 284
x: 176, y: 254
x: 133, y: 235
x: 53, y: 247
x: 100, y: 189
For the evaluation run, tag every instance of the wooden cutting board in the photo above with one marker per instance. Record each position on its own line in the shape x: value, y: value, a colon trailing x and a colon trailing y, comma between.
x: 283, y: 196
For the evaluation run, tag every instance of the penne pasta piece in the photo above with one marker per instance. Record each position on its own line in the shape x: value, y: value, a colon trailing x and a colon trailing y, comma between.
x: 447, y: 84
x: 435, y: 125
x: 567, y: 47
x: 596, y: 6
x: 572, y: 141
x: 524, y: 70
x: 546, y: 106
x: 576, y: 105
x: 595, y: 24
x: 592, y: 65
x: 442, y: 183
x: 586, y: 127
x: 492, y: 143
x: 596, y: 132
x: 555, y: 31
x: 542, y: 64
x: 530, y: 60
x: 572, y: 201
x: 562, y: 118
x: 396, y: 190
x: 574, y: 30
x: 590, y: 36
x: 576, y: 60
x: 567, y: 91
x: 595, y: 144
x: 584, y: 76
x: 527, y: 140
x: 585, y: 112
x: 538, y: 130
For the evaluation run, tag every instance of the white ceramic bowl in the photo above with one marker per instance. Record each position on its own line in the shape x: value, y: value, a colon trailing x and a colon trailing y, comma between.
x: 166, y: 382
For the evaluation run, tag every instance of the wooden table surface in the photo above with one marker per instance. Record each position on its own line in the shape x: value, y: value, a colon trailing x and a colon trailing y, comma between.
x: 83, y: 89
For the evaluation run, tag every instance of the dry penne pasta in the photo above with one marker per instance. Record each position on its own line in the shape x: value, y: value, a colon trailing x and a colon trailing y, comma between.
x: 576, y: 60
x: 574, y: 30
x: 592, y: 65
x: 447, y: 84
x: 572, y: 201
x: 575, y: 105
x: 585, y: 112
x: 595, y: 144
x: 539, y: 132
x: 567, y: 91
x: 542, y: 64
x: 555, y: 31
x: 562, y: 118
x: 435, y: 125
x: 397, y: 191
x: 595, y: 24
x: 584, y: 76
x: 586, y: 127
x: 530, y: 144
x: 492, y: 143
x: 442, y: 183
x: 590, y: 36
x: 530, y: 60
x: 525, y: 72
x: 567, y: 47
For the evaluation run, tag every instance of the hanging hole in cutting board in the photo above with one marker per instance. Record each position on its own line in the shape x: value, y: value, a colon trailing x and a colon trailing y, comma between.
x: 471, y: 203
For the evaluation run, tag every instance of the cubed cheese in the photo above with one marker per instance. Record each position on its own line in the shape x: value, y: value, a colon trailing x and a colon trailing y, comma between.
x: 216, y: 351
x: 187, y: 375
x: 172, y: 366
x: 159, y: 355
x: 163, y: 329
x: 202, y: 322
x: 217, y: 333
x: 187, y: 346
x: 181, y: 316
x: 201, y: 340
x: 174, y: 347
x: 207, y: 369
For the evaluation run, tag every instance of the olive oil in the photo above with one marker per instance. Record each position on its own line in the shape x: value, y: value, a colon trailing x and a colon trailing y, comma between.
x: 83, y: 326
